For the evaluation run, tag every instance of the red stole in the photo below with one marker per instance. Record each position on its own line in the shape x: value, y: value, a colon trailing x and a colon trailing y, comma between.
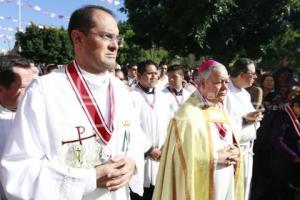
x: 89, y: 104
x: 293, y: 118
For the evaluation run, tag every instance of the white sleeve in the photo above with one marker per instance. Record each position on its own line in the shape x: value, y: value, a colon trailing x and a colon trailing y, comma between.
x: 136, y: 152
x: 30, y: 167
x: 139, y: 144
x: 136, y: 107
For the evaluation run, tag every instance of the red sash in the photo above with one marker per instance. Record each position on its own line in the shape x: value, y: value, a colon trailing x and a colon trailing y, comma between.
x: 89, y: 104
x: 293, y: 117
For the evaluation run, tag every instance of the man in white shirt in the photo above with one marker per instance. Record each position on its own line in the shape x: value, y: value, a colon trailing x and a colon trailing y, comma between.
x: 153, y: 109
x: 162, y: 78
x: 72, y: 137
x: 175, y: 91
x: 132, y: 75
x: 14, y: 78
x: 242, y: 112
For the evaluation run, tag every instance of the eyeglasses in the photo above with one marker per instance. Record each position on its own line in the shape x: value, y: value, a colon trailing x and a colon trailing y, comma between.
x: 110, y: 37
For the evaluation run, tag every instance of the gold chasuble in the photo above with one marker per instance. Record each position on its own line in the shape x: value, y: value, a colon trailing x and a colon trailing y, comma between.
x: 186, y: 170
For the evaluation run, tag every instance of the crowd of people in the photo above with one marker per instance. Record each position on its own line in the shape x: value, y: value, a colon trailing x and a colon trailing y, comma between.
x: 91, y: 130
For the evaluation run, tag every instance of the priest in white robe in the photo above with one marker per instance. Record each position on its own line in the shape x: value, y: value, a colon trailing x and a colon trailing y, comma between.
x: 244, y: 116
x: 75, y: 134
x: 153, y: 108
x: 6, y: 119
x: 14, y: 78
x: 162, y: 75
x: 175, y: 91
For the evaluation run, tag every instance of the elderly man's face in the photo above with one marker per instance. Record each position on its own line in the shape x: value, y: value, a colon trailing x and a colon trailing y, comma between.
x: 214, y: 89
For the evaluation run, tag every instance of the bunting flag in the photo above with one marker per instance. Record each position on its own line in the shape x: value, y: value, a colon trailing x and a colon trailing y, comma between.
x: 28, y: 5
x: 37, y: 8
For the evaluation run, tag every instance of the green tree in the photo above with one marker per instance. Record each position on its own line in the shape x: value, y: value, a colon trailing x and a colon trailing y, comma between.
x: 286, y: 45
x: 130, y: 52
x: 221, y: 28
x: 45, y: 45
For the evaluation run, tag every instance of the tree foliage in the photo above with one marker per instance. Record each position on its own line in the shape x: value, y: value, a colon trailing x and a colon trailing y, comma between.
x: 45, y: 45
x: 179, y: 26
x: 286, y: 45
x: 222, y: 28
x: 130, y: 52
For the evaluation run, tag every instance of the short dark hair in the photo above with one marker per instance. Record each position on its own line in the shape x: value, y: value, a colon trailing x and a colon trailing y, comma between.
x: 7, y: 75
x: 241, y: 65
x: 49, y: 68
x: 176, y: 67
x: 130, y: 65
x: 163, y: 62
x: 143, y: 65
x: 82, y: 19
x: 264, y: 76
x: 195, y: 73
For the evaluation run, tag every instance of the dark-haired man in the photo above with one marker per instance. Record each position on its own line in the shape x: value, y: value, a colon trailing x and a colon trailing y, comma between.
x: 244, y: 115
x: 132, y: 75
x: 14, y: 78
x: 153, y: 109
x: 162, y: 78
x: 175, y: 91
x: 72, y: 137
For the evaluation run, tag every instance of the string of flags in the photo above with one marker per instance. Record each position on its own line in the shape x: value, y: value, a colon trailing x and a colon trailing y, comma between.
x: 46, y: 12
x: 4, y: 31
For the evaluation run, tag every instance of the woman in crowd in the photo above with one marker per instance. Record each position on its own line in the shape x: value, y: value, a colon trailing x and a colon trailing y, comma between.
x: 286, y: 157
x: 267, y: 85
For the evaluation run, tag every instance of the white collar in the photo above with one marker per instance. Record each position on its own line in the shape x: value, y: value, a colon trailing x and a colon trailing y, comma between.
x: 233, y: 88
x: 96, y: 81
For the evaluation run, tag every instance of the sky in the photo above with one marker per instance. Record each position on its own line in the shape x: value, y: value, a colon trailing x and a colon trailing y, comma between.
x: 43, y: 12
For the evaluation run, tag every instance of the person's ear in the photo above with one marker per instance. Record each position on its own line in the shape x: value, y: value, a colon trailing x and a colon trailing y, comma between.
x: 202, y: 84
x: 77, y: 37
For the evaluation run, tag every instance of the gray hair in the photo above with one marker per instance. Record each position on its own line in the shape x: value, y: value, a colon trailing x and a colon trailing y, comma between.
x: 206, y: 73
